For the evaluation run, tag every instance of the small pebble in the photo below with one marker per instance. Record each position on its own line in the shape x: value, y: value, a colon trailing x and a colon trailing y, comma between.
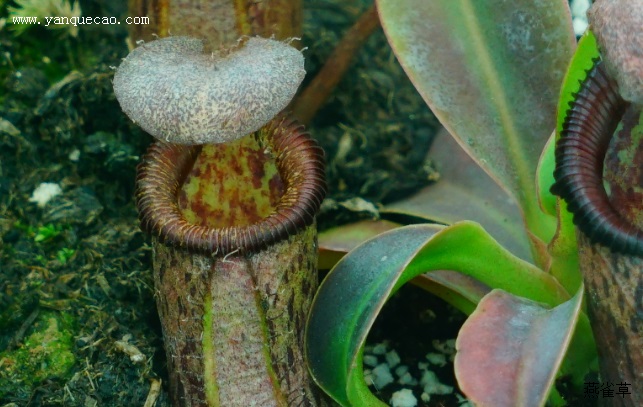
x: 379, y: 349
x: 382, y: 376
x: 401, y: 370
x: 446, y: 347
x: 407, y: 380
x: 403, y: 398
x: 436, y: 359
x: 432, y: 385
x: 579, y: 15
x: 392, y: 358
x: 74, y: 155
x: 44, y: 193
x: 579, y: 7
x: 580, y: 25
x: 135, y: 355
x: 370, y: 360
x: 368, y: 377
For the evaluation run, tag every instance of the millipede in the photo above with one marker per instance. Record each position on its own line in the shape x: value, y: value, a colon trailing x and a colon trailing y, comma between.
x: 588, y: 127
x: 299, y: 160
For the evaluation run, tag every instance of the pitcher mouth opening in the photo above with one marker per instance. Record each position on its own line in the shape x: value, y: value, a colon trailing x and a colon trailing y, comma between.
x: 165, y: 166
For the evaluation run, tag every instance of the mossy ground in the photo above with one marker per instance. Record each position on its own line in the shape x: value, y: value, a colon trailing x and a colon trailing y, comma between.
x: 81, y: 260
x: 46, y: 354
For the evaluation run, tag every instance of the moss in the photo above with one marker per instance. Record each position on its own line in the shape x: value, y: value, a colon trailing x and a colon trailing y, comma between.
x: 47, y: 353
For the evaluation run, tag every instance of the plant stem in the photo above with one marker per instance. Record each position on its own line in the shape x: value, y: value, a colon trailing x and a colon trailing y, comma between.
x: 317, y: 92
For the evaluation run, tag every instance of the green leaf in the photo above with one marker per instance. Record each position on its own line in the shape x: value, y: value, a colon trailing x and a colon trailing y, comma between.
x: 365, y: 278
x: 562, y: 247
x: 460, y: 291
x: 490, y: 71
x: 545, y: 177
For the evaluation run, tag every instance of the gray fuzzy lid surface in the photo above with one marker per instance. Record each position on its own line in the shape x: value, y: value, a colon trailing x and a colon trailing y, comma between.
x: 176, y: 93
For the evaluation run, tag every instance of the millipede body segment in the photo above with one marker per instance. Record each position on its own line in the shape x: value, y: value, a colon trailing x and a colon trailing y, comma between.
x: 580, y: 152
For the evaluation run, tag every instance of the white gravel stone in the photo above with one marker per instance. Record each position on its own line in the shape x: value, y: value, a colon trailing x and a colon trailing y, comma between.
x: 407, y: 380
x: 580, y: 25
x: 579, y: 15
x: 74, y: 155
x: 432, y: 385
x: 403, y: 398
x: 446, y: 347
x: 44, y: 193
x: 370, y: 360
x: 579, y: 7
x: 393, y: 359
x: 401, y: 370
x: 437, y: 359
x: 382, y: 376
x: 379, y: 349
x: 368, y: 377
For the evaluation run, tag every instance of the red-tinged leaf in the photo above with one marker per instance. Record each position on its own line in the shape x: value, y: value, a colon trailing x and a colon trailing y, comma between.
x: 491, y: 72
x: 461, y: 291
x: 466, y: 192
x: 510, y: 349
x: 345, y: 238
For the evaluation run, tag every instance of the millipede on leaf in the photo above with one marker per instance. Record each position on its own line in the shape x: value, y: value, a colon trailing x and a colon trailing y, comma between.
x: 587, y: 130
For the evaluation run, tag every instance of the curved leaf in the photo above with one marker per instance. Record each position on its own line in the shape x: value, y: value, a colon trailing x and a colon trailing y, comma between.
x: 334, y: 243
x: 365, y: 278
x: 465, y: 192
x: 545, y: 176
x: 562, y: 249
x: 490, y: 71
x: 462, y: 292
x: 518, y: 344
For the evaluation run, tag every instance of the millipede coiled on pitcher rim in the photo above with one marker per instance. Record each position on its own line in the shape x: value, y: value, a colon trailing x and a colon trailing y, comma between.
x: 300, y: 163
x: 580, y: 152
